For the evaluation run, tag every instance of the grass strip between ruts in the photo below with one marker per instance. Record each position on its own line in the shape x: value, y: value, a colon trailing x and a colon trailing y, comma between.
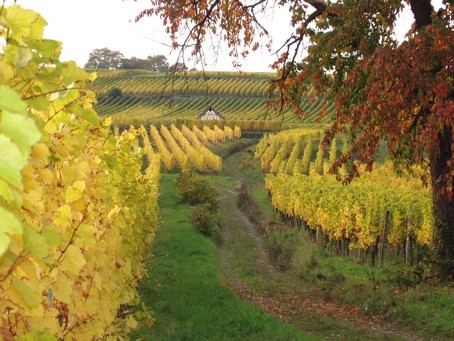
x: 184, y: 290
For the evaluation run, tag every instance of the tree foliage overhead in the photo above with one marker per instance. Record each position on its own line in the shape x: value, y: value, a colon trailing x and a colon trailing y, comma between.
x: 385, y: 91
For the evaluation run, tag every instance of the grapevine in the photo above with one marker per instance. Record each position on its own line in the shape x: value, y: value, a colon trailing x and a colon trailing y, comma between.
x: 75, y: 229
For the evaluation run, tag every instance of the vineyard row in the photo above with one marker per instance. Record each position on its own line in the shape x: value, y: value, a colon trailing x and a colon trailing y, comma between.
x: 185, y: 148
x: 375, y: 209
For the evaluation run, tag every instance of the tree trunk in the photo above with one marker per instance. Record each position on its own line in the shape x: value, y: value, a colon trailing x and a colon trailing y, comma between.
x: 443, y: 203
x: 422, y: 12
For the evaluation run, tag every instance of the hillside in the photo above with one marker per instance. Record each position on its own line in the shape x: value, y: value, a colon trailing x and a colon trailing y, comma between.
x: 149, y: 97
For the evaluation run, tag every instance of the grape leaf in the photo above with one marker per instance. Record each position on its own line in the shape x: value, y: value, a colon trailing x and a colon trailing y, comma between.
x: 28, y: 296
x: 73, y: 261
x: 51, y: 235
x: 43, y: 335
x: 62, y: 288
x: 4, y: 243
x: 9, y: 223
x: 11, y: 162
x: 6, y: 72
x: 21, y: 130
x: 11, y: 101
x: 23, y: 57
x: 35, y: 243
x: 25, y: 23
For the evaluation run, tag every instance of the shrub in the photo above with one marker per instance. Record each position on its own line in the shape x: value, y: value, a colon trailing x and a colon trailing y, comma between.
x: 114, y: 92
x: 196, y: 190
x: 203, y: 219
x: 282, y: 246
x: 246, y: 203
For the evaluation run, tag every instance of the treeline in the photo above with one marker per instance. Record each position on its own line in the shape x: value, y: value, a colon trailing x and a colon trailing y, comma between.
x: 107, y: 59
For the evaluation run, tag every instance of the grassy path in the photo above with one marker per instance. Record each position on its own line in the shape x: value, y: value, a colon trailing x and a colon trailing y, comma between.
x: 203, y: 291
x: 185, y: 291
x: 248, y: 272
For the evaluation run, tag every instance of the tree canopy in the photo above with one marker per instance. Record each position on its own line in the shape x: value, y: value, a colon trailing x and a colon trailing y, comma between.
x: 385, y: 91
x: 104, y: 59
x: 107, y: 59
x: 154, y: 63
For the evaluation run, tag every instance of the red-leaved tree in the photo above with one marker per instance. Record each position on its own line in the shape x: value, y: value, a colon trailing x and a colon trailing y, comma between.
x: 400, y: 94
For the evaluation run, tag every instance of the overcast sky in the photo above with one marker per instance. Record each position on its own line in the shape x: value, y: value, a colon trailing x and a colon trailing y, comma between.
x: 85, y: 25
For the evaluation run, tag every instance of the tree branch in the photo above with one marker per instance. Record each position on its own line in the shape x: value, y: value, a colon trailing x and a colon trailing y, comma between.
x: 422, y: 12
x: 320, y: 8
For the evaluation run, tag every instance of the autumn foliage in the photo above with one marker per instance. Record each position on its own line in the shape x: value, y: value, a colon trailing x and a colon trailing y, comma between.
x: 74, y: 225
x: 385, y: 91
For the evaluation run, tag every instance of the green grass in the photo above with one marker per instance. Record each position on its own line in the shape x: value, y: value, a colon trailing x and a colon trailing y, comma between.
x: 185, y: 292
x: 427, y: 308
x: 183, y: 287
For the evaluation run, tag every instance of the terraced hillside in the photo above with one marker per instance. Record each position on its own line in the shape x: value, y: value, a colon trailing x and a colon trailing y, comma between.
x: 149, y: 97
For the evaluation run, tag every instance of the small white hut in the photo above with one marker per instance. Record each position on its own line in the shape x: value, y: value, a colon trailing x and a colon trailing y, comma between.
x: 211, y: 114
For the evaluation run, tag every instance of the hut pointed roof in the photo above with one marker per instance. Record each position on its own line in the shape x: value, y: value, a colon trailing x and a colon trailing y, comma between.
x: 211, y: 114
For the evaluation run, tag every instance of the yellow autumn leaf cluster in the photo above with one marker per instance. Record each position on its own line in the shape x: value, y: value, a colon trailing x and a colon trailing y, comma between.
x: 74, y: 225
x: 355, y: 212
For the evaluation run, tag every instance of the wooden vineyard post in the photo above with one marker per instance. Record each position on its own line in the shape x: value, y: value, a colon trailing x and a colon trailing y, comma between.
x: 317, y: 235
x: 383, y: 240
x: 408, y: 246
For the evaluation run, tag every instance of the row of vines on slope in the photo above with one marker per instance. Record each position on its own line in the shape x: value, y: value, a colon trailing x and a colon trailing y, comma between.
x: 186, y: 148
x: 74, y: 228
x: 152, y: 110
x: 378, y: 208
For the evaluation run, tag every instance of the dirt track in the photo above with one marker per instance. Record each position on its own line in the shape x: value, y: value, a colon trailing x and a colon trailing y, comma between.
x: 248, y: 272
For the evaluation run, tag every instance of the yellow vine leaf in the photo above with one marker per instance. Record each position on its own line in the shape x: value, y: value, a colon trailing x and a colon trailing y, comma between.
x: 75, y: 191
x: 73, y: 260
x: 7, y: 72
x: 34, y: 242
x: 9, y: 225
x: 86, y: 236
x: 62, y: 288
x: 113, y: 211
x: 107, y: 122
x: 51, y: 235
x: 64, y: 216
x: 23, y: 295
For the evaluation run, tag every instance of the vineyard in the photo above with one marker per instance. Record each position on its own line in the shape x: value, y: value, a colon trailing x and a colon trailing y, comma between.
x: 377, y: 209
x: 159, y: 98
x: 179, y: 149
x: 99, y: 240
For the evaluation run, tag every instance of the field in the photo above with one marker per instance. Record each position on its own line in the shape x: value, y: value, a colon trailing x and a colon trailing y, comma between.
x: 353, y: 266
x: 197, y: 305
x: 123, y: 217
x: 160, y: 98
